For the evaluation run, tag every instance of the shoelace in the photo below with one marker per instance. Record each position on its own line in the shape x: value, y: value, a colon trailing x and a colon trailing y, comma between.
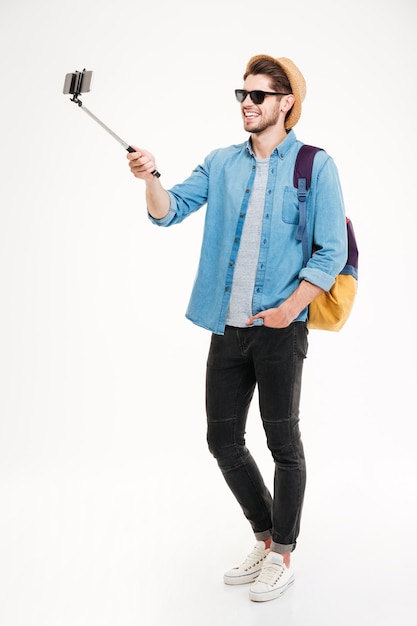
x: 256, y: 556
x: 270, y: 573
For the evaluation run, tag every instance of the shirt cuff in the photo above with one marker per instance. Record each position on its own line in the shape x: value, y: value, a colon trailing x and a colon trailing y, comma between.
x: 167, y: 219
x: 317, y: 277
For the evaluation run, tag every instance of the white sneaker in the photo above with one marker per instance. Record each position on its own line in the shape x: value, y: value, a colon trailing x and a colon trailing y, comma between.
x: 250, y: 569
x: 274, y: 579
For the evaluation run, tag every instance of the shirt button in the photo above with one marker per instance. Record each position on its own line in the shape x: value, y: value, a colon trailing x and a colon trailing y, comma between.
x: 265, y: 240
x: 242, y: 215
x: 236, y: 239
x: 227, y: 289
x: 230, y: 263
x: 247, y: 190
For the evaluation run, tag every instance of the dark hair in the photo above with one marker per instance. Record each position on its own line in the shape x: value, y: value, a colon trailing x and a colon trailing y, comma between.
x: 277, y: 75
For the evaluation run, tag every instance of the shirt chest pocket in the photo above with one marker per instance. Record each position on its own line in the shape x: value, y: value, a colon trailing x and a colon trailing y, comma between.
x: 290, y: 211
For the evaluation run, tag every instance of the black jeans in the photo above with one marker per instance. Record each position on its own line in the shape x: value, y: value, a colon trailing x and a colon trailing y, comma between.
x: 272, y: 359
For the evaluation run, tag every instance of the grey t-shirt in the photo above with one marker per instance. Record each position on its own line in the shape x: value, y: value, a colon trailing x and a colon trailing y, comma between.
x: 240, y: 305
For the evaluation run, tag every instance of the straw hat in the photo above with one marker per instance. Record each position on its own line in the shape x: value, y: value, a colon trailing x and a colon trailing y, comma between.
x: 297, y: 82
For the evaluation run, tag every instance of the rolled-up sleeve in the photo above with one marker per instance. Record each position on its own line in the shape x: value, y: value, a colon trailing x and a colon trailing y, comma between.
x: 187, y: 197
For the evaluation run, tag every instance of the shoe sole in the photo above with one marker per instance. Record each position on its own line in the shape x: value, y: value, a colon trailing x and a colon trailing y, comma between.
x: 245, y: 579
x: 264, y: 596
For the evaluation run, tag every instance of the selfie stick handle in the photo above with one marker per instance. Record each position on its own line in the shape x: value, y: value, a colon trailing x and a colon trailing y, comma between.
x: 113, y: 134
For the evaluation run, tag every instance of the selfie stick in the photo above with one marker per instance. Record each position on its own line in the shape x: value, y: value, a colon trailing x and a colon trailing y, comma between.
x: 76, y: 89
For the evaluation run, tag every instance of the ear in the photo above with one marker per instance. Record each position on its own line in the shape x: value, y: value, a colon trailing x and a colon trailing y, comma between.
x: 287, y: 102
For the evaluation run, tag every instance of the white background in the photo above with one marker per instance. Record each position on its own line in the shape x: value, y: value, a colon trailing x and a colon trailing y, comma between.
x: 113, y: 512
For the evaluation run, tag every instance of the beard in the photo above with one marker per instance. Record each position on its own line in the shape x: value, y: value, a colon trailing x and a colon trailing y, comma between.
x: 264, y: 122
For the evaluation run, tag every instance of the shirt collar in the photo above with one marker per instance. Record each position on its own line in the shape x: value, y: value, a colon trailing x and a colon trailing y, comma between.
x: 281, y: 150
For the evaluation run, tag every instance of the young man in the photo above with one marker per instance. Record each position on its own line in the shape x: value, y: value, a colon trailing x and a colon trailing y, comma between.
x: 252, y: 292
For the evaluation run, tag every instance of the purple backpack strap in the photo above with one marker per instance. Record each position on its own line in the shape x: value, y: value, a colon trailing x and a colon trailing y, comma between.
x: 302, y: 181
x: 304, y: 164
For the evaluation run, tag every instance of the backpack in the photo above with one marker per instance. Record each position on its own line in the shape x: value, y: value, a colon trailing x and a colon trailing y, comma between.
x: 331, y: 309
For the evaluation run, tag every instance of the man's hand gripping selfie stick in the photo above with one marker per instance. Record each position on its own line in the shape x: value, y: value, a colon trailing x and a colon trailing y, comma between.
x: 80, y: 82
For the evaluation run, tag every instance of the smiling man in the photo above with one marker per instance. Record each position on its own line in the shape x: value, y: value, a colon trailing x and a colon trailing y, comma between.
x: 252, y: 293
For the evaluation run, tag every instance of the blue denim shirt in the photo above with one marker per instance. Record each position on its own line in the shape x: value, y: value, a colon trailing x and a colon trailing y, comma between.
x: 224, y: 182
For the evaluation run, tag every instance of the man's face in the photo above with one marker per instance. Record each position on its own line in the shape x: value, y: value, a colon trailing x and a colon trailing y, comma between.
x: 258, y: 117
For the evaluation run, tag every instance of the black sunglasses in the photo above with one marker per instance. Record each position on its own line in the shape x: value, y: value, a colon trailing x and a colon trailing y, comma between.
x: 256, y: 96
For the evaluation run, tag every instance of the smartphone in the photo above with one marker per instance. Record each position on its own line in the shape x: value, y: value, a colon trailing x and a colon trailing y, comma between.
x: 78, y: 82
